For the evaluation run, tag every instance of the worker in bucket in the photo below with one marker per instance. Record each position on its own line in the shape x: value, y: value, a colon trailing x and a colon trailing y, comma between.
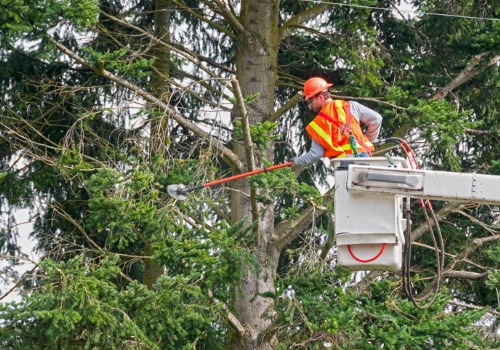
x: 336, y: 131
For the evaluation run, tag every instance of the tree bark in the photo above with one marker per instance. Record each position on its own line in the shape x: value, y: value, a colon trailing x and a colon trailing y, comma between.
x: 256, y: 73
x: 159, y: 139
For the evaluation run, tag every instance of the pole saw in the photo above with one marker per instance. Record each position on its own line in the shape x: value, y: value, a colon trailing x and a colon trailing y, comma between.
x: 179, y: 191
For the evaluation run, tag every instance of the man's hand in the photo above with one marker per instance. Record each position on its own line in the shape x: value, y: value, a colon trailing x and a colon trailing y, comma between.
x: 295, y: 166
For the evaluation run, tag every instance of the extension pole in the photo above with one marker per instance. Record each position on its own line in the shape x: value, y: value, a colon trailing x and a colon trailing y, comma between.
x: 180, y: 192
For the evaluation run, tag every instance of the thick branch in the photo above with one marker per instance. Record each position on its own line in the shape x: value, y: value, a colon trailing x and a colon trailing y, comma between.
x: 302, y: 17
x: 481, y: 132
x: 195, y: 14
x: 468, y: 275
x: 229, y: 16
x: 452, y: 256
x: 478, y: 242
x: 286, y: 107
x: 231, y: 318
x: 217, y: 64
x: 440, y: 215
x: 149, y: 97
x: 472, y: 306
x: 287, y: 230
x: 469, y: 72
x: 329, y: 244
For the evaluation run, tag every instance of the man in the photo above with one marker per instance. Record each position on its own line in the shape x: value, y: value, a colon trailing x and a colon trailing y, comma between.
x: 336, y: 132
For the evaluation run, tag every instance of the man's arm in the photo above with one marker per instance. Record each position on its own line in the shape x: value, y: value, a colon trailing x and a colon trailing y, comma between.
x: 315, y: 153
x: 368, y: 117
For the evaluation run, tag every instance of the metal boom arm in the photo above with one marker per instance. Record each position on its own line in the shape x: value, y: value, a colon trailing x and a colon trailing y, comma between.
x: 437, y: 185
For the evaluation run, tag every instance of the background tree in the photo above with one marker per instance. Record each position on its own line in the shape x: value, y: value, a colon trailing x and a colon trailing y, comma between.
x: 108, y: 102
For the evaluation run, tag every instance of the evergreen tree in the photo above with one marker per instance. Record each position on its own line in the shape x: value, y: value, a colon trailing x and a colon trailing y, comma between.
x: 107, y: 102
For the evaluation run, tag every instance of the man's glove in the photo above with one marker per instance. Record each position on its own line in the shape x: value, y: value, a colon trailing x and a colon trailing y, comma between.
x: 295, y: 166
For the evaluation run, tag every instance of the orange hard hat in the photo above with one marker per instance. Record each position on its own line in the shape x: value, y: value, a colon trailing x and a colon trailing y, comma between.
x: 314, y: 86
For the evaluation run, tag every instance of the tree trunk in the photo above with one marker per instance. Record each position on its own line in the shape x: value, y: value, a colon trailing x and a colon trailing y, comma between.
x: 159, y: 138
x: 256, y: 73
x: 159, y: 81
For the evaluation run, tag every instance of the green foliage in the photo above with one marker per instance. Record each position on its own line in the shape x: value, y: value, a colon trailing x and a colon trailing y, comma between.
x: 495, y: 167
x: 262, y: 133
x: 220, y: 255
x: 318, y: 311
x: 442, y: 126
x: 21, y: 16
x: 282, y: 182
x: 487, y: 38
x: 494, y: 280
x: 123, y: 208
x: 83, y: 13
x: 11, y: 17
x: 118, y: 61
x: 79, y: 306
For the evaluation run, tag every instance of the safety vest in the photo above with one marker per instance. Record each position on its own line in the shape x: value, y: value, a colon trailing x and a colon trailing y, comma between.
x: 332, y: 127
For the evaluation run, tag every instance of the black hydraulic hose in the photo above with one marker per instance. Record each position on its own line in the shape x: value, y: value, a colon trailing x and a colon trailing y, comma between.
x: 429, y: 293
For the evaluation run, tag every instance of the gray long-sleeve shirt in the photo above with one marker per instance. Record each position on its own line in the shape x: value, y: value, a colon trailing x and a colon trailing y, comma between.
x: 363, y: 115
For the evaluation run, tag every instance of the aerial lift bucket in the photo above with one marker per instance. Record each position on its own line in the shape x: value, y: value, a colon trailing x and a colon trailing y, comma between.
x: 369, y: 229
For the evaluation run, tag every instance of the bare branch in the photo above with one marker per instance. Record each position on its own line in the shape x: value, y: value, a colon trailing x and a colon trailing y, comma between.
x: 478, y: 242
x: 229, y: 16
x: 247, y: 137
x: 465, y: 275
x: 370, y: 99
x: 195, y: 14
x: 480, y: 223
x: 440, y: 215
x: 60, y: 211
x: 481, y: 132
x: 470, y: 71
x: 472, y: 306
x: 233, y: 321
x: 184, y: 52
x: 149, y: 97
x: 21, y: 280
x: 454, y: 257
x: 286, y: 107
x: 302, y: 17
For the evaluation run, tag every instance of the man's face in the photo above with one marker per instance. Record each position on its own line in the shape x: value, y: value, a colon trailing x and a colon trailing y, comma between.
x: 315, y: 103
